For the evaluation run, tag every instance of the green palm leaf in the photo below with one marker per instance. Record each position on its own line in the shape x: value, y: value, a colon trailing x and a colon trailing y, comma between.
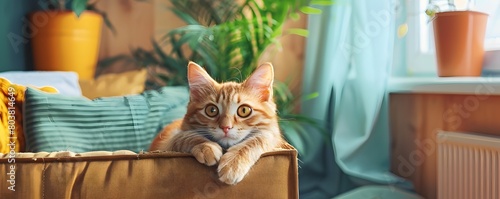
x: 78, y: 6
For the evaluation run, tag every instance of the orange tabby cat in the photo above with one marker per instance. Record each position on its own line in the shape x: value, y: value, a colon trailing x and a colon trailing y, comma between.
x: 239, y: 119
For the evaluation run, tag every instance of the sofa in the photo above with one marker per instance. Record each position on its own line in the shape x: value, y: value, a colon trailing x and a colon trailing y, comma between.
x: 71, y: 146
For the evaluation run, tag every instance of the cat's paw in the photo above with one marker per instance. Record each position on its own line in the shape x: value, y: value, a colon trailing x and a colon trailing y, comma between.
x: 233, y: 168
x: 208, y: 153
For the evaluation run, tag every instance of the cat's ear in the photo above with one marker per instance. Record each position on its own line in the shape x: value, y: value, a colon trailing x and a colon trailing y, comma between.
x: 261, y: 82
x: 199, y: 80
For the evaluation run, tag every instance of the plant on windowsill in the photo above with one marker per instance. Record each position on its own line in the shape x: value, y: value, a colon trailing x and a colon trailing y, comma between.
x: 459, y: 38
x: 228, y: 39
x: 66, y: 36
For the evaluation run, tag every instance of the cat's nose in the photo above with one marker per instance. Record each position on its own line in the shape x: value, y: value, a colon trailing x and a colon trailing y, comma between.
x: 226, y: 129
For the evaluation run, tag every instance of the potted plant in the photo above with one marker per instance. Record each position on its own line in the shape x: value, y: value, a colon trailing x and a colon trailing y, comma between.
x: 66, y: 36
x: 228, y: 38
x: 459, y: 38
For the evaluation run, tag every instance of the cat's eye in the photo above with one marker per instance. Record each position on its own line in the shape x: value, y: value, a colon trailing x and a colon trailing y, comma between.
x: 244, y: 111
x: 211, y: 110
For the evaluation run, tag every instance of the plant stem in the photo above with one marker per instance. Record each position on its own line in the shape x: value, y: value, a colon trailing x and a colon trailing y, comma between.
x: 61, y: 4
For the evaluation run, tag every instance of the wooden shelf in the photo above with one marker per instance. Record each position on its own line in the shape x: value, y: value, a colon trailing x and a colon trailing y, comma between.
x: 445, y: 85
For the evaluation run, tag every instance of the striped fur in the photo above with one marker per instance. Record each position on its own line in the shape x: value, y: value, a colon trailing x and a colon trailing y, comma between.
x: 244, y: 139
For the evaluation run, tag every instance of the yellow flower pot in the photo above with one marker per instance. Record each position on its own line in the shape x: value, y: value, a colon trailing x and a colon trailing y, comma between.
x: 61, y: 41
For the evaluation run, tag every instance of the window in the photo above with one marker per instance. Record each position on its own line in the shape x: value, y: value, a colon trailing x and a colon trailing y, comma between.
x: 420, y: 53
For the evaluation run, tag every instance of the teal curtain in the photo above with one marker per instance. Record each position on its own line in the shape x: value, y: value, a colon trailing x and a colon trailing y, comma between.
x: 349, y: 57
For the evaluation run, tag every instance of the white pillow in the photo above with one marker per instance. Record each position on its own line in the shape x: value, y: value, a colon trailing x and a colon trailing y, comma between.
x: 65, y: 82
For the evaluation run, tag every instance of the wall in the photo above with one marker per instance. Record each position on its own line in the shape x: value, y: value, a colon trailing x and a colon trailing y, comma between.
x: 134, y: 24
x: 15, y: 51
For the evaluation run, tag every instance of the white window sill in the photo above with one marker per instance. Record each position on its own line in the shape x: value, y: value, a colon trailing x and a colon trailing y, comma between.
x: 446, y: 85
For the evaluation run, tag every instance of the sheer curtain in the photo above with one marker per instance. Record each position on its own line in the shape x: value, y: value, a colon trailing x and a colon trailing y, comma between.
x: 348, y: 61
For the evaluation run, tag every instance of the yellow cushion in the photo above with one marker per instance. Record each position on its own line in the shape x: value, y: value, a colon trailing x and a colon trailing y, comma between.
x: 11, y: 122
x: 115, y: 84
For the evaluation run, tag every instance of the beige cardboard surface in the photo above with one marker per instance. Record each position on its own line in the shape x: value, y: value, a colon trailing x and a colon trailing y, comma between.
x: 150, y: 175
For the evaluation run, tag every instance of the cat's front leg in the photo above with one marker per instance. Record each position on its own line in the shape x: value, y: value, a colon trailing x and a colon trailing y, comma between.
x: 204, y: 150
x: 233, y: 166
x: 237, y: 161
x: 208, y: 153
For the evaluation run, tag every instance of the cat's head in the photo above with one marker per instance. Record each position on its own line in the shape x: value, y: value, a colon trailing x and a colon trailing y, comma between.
x: 230, y: 112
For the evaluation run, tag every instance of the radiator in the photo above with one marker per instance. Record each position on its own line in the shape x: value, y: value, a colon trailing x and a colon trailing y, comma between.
x: 468, y: 166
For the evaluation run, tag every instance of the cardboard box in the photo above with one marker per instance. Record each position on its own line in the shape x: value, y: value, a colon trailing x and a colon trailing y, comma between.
x: 125, y: 174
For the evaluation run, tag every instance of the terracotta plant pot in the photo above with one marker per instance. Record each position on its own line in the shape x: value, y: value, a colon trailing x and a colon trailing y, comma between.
x: 459, y: 38
x: 62, y: 41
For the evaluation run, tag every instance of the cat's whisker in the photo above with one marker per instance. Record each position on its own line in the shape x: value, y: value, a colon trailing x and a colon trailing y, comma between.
x: 300, y: 162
